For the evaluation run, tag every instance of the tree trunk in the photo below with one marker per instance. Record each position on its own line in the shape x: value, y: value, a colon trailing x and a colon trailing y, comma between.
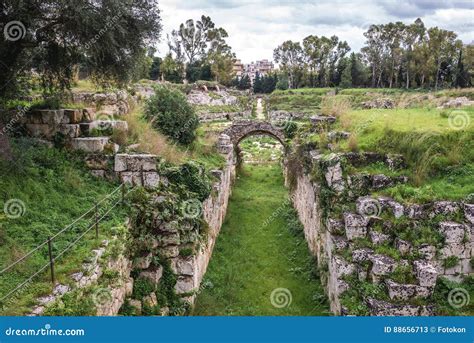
x: 408, y: 79
x: 5, y: 148
x: 437, y: 76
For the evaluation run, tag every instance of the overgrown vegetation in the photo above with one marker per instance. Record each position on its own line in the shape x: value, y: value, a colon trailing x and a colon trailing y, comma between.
x: 171, y: 114
x: 252, y: 259
x: 53, y: 188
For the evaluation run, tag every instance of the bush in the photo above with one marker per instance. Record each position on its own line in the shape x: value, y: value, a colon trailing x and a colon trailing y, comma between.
x: 289, y: 129
x: 171, y: 114
x: 192, y: 176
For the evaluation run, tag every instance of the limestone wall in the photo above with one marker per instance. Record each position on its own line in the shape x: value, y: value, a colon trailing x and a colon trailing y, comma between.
x: 361, y: 239
x: 170, y: 239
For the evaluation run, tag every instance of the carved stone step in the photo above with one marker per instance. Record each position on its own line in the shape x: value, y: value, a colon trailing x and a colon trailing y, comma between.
x: 103, y: 125
x: 91, y: 144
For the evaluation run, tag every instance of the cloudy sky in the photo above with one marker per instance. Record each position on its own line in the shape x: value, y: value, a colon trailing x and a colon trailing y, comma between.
x: 256, y: 27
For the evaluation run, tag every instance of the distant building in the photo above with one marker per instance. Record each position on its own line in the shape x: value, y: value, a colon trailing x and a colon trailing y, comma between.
x: 262, y: 67
x: 238, y: 68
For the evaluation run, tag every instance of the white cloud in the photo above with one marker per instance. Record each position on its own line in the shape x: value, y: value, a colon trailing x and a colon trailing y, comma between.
x: 256, y: 27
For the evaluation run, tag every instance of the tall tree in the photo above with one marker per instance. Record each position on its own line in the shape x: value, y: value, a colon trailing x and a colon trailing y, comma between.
x: 373, y: 52
x: 205, y: 42
x: 191, y: 39
x: 290, y: 56
x: 109, y: 37
x: 442, y: 45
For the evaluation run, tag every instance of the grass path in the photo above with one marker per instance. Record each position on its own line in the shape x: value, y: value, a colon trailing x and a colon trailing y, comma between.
x: 250, y: 261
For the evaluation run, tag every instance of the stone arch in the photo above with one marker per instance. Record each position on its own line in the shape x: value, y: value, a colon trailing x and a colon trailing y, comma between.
x: 242, y: 129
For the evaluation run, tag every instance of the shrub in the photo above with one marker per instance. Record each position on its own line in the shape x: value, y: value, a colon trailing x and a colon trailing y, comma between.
x: 142, y: 288
x: 289, y: 129
x: 170, y: 113
x: 191, y: 175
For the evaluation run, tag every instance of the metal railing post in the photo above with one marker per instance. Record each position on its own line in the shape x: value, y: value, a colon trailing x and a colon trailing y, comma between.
x: 123, y: 193
x: 142, y: 176
x: 51, y: 259
x: 96, y: 220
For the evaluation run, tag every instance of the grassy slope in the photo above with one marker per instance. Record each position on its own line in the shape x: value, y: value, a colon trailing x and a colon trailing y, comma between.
x: 56, y: 189
x: 440, y: 158
x: 249, y: 261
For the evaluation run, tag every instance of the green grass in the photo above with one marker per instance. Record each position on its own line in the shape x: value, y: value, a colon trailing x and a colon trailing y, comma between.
x: 55, y: 189
x: 261, y: 149
x: 217, y: 108
x: 250, y: 260
x: 440, y: 157
x: 404, y: 120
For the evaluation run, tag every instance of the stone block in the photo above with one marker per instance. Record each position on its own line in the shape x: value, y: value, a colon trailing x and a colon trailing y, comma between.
x: 382, y: 265
x: 150, y: 300
x: 138, y: 162
x: 444, y: 208
x: 362, y: 255
x: 170, y: 251
x: 415, y: 211
x: 74, y: 116
x: 466, y: 266
x: 185, y: 266
x: 143, y: 262
x: 154, y: 275
x: 355, y: 226
x: 52, y: 117
x: 384, y: 308
x: 69, y: 130
x: 88, y: 114
x: 137, y: 305
x: 170, y: 239
x: 469, y: 212
x: 398, y: 291
x: 425, y: 272
x: 380, y: 181
x: 90, y: 144
x: 427, y: 252
x: 452, y: 232
x: 151, y: 179
x: 339, y: 242
x: 184, y: 284
x: 378, y: 238
x: 403, y: 246
x: 397, y: 208
x: 341, y: 267
x: 335, y: 227
x: 368, y: 206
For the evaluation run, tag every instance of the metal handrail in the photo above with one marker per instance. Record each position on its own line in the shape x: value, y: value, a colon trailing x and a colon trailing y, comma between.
x: 70, y: 245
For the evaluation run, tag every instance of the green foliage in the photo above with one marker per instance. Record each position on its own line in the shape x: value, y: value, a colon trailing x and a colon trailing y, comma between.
x: 86, y: 44
x: 192, y: 176
x: 354, y: 299
x: 450, y: 261
x: 142, y: 288
x: 289, y: 129
x: 251, y: 259
x: 155, y: 71
x: 56, y: 189
x: 403, y: 275
x: 75, y: 303
x: 171, y: 114
x: 462, y: 292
